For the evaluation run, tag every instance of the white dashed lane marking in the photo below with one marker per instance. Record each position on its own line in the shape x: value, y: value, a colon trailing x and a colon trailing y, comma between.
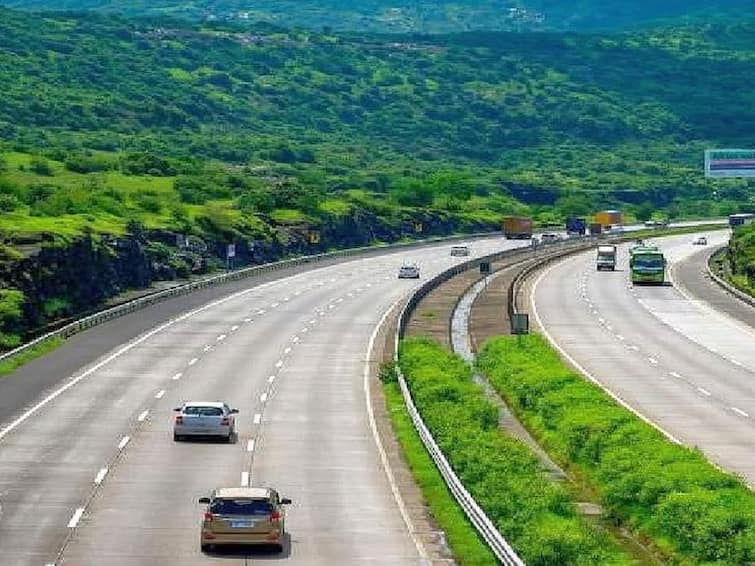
x: 704, y: 391
x: 100, y: 476
x: 192, y: 361
x: 257, y: 418
x: 124, y: 441
x: 75, y: 518
x: 250, y: 445
x: 244, y: 479
x: 740, y: 412
x: 142, y: 416
x: 177, y: 376
x: 263, y: 398
x: 159, y: 394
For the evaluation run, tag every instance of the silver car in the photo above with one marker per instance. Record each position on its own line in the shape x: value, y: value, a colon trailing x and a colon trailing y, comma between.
x: 204, y: 418
x: 409, y: 271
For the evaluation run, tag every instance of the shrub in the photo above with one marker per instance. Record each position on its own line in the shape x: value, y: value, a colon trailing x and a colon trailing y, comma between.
x: 669, y: 493
x: 534, y: 513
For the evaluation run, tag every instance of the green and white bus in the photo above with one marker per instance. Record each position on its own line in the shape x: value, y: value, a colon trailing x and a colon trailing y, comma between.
x: 647, y: 265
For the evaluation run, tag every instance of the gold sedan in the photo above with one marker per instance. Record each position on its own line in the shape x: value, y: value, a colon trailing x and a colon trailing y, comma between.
x: 243, y: 516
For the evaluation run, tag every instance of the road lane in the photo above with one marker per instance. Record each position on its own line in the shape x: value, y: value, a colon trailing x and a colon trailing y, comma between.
x: 666, y: 356
x: 144, y: 510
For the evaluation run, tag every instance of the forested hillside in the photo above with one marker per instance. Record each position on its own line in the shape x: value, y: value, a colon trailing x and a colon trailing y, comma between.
x: 161, y: 143
x: 537, y: 117
x: 424, y: 16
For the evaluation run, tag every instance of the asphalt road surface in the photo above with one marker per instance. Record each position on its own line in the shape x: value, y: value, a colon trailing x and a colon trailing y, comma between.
x: 671, y: 356
x: 94, y: 477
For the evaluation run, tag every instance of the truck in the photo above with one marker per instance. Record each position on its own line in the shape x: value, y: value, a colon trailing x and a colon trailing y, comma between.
x: 608, y: 218
x: 517, y: 228
x: 576, y: 226
x: 647, y: 265
x: 596, y: 229
x: 606, y: 258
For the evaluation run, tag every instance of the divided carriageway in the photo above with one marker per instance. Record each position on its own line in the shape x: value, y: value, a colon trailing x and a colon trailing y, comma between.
x: 93, y: 476
x: 671, y: 353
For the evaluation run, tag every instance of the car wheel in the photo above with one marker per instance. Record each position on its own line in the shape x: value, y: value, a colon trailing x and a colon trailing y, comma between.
x: 278, y: 548
x: 208, y: 547
x: 176, y: 437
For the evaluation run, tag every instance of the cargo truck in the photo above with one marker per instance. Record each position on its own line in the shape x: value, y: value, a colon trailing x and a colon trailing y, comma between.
x: 647, y: 265
x: 576, y: 226
x: 608, y: 218
x: 596, y: 229
x: 606, y: 258
x: 517, y: 228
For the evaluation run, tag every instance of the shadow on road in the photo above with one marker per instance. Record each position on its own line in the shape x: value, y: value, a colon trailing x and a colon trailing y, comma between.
x: 261, y: 552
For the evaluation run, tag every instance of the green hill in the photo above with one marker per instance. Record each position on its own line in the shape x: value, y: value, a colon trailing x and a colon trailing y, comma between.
x: 424, y: 16
x: 278, y: 122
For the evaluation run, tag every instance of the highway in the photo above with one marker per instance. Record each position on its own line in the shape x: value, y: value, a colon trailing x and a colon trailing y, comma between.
x: 665, y: 353
x: 91, y: 475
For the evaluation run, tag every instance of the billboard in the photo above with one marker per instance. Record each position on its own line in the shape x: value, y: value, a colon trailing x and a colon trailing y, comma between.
x: 723, y: 163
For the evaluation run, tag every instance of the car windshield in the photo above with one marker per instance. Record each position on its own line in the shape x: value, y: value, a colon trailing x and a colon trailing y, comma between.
x: 241, y: 507
x: 203, y: 411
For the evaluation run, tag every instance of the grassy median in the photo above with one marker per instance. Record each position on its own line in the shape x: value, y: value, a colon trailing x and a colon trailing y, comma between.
x: 465, y: 544
x: 534, y: 513
x: 666, y: 493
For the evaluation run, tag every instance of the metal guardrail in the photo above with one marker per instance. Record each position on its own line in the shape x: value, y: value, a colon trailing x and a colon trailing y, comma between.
x: 485, y: 527
x: 725, y: 285
x: 153, y: 298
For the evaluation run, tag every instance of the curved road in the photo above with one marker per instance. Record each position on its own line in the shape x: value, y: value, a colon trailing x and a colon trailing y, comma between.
x: 665, y: 353
x: 93, y: 476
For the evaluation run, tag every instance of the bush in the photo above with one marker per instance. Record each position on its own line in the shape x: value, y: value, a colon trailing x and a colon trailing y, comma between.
x: 669, y: 493
x: 535, y: 514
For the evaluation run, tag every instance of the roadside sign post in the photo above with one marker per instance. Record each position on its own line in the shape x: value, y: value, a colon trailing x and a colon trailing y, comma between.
x: 520, y: 323
x: 230, y: 253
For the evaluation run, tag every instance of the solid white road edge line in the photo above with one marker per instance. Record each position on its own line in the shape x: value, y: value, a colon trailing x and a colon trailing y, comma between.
x: 576, y: 364
x: 376, y: 436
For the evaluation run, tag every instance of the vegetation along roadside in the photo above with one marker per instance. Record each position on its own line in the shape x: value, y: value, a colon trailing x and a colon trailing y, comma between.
x: 671, y: 495
x: 536, y: 514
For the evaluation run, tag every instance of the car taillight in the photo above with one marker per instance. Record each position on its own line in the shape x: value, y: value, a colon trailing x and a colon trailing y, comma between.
x: 208, y: 516
x: 179, y: 419
x: 275, y: 516
x: 226, y: 421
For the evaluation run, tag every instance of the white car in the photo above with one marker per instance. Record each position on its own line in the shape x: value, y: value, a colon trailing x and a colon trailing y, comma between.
x: 204, y: 418
x: 461, y: 250
x: 700, y: 241
x: 548, y: 238
x: 408, y: 271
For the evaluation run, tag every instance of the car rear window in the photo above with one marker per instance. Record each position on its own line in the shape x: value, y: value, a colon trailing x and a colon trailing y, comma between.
x: 241, y: 507
x: 204, y: 411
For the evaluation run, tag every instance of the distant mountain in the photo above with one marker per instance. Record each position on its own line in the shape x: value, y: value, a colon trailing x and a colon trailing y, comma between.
x: 424, y: 16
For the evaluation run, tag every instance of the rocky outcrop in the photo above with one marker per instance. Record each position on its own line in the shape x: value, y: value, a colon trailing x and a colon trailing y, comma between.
x: 65, y: 279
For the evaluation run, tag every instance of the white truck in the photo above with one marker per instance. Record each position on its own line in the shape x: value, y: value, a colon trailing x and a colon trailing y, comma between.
x: 606, y: 258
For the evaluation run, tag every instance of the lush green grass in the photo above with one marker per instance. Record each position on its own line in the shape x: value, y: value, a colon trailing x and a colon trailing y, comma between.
x: 14, y: 362
x: 462, y: 537
x: 667, y: 493
x: 740, y: 256
x: 534, y: 513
